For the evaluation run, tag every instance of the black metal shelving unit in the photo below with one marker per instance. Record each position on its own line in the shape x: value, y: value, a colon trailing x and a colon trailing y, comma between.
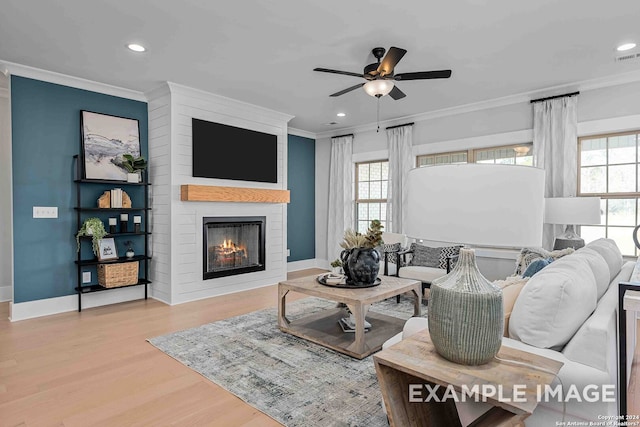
x: 82, y: 210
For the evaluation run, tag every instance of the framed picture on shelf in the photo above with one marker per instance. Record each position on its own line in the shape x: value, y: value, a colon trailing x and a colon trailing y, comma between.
x: 105, y: 139
x: 107, y: 249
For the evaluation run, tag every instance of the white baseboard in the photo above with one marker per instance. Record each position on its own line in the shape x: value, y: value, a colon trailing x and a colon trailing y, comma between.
x: 308, y: 263
x: 49, y: 306
x: 6, y: 293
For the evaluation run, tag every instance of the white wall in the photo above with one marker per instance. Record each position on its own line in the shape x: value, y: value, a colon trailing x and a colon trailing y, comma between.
x: 6, y: 230
x: 177, y: 225
x: 606, y: 109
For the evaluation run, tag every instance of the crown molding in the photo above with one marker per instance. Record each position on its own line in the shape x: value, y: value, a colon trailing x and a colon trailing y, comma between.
x: 71, y: 81
x: 302, y: 133
x: 582, y: 86
x: 158, y: 92
x: 229, y: 102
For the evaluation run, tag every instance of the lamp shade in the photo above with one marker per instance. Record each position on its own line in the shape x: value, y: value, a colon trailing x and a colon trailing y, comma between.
x: 476, y: 204
x: 572, y: 210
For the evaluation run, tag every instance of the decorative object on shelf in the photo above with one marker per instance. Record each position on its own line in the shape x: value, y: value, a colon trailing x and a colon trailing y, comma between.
x: 477, y: 204
x: 120, y: 274
x: 360, y: 260
x: 105, y: 139
x: 134, y: 167
x: 107, y: 249
x: 137, y: 220
x: 92, y: 227
x: 124, y: 222
x: 336, y: 266
x: 571, y: 211
x: 113, y: 222
x: 116, y: 198
x: 130, y: 253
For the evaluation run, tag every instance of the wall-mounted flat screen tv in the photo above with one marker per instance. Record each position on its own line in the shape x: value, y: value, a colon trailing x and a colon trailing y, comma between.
x: 228, y: 152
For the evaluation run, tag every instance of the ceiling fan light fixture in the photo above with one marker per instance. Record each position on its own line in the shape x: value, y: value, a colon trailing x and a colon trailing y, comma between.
x: 378, y: 87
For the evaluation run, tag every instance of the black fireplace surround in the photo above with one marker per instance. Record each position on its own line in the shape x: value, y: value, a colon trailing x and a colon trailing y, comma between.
x: 233, y: 245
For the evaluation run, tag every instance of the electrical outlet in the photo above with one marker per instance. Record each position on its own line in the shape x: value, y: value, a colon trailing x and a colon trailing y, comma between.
x: 45, y: 212
x: 288, y: 252
x: 86, y: 277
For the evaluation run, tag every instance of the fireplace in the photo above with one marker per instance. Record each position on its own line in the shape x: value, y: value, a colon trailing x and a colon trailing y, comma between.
x: 233, y: 245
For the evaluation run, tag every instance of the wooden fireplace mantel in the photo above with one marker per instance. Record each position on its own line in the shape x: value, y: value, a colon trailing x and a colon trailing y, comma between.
x: 214, y: 193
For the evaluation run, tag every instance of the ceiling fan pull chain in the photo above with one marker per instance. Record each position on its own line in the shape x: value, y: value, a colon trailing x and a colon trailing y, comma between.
x: 378, y: 115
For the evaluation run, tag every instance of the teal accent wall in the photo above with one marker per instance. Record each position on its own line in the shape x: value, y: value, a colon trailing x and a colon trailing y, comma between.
x: 301, y: 211
x: 45, y: 120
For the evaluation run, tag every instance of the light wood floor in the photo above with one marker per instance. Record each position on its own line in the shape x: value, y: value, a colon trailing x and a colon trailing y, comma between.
x: 95, y: 368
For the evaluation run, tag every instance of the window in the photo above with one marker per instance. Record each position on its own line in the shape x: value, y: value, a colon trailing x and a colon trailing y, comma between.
x: 608, y: 168
x: 510, y: 155
x: 372, y: 181
x: 443, y: 159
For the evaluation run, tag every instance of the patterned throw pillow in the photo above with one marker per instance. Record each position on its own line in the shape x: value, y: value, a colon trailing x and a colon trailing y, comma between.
x: 390, y: 249
x: 528, y: 255
x: 425, y: 256
x: 445, y: 253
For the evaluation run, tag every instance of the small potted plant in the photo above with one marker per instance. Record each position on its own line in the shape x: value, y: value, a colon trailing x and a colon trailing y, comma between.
x: 336, y: 265
x: 360, y: 259
x: 93, y: 227
x: 130, y: 253
x: 134, y: 166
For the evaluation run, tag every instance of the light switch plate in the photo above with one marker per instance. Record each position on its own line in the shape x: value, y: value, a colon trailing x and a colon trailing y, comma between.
x: 86, y: 277
x: 288, y: 252
x: 45, y: 212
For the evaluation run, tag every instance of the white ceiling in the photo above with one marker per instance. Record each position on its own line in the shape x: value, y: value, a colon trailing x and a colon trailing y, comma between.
x: 263, y: 51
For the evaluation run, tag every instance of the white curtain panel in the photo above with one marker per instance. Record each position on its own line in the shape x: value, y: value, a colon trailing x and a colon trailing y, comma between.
x: 555, y: 149
x: 340, y: 193
x: 400, y: 143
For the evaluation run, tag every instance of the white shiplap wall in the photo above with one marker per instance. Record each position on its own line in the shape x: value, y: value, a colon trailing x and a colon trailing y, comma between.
x: 178, y: 240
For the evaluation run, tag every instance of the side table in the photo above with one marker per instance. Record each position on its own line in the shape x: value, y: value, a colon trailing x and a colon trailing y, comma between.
x: 414, y: 366
x: 627, y: 302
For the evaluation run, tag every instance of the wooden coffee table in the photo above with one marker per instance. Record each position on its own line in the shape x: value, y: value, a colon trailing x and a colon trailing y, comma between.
x: 323, y: 327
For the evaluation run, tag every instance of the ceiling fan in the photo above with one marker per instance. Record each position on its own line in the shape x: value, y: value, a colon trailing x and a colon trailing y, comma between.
x: 380, y: 75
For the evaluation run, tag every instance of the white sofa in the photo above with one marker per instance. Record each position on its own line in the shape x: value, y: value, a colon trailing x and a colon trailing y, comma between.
x: 567, y: 312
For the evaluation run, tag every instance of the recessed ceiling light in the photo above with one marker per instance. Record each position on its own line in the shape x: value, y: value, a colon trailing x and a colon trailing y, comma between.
x: 136, y: 47
x: 626, y: 46
x: 341, y: 114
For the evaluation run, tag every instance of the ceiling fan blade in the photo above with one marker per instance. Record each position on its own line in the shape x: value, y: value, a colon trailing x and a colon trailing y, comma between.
x: 422, y: 75
x: 349, y: 89
x: 346, y: 73
x: 390, y: 60
x: 396, y: 93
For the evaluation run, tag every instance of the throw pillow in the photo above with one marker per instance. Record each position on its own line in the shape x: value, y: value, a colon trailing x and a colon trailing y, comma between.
x: 390, y: 249
x: 511, y: 288
x: 536, y: 266
x: 528, y: 255
x: 445, y: 253
x: 554, y: 304
x: 425, y: 256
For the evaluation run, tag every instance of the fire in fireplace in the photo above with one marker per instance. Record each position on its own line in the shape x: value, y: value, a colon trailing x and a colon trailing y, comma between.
x: 233, y: 245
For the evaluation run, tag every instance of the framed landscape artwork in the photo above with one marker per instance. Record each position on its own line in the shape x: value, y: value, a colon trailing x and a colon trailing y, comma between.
x: 105, y: 139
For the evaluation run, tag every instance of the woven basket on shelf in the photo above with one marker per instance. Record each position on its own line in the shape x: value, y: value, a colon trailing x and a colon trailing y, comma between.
x: 114, y: 275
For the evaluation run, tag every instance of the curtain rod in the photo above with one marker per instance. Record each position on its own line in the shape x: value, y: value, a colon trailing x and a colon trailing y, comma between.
x: 554, y: 97
x: 340, y: 136
x: 399, y: 126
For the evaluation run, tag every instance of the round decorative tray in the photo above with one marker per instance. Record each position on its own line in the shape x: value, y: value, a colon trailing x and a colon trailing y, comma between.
x: 322, y: 279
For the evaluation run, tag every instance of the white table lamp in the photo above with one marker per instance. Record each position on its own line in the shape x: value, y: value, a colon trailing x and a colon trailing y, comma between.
x: 476, y: 204
x: 571, y: 211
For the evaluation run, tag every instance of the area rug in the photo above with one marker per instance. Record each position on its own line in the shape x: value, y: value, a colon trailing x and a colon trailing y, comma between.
x: 294, y: 381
